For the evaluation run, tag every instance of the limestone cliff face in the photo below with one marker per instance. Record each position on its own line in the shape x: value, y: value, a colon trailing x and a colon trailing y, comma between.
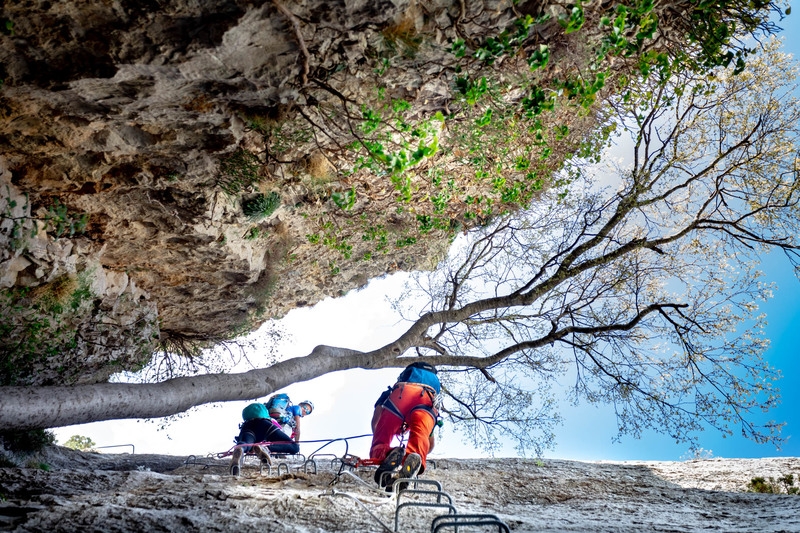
x: 154, y: 122
x: 141, y: 492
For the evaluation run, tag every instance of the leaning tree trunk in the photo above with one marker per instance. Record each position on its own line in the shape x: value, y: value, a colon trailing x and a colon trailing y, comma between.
x: 43, y: 407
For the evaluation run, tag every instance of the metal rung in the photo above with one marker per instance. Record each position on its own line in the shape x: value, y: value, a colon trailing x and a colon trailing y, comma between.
x: 455, y: 520
x: 311, y: 462
x: 133, y: 448
x: 317, y: 456
x: 437, y: 493
x: 416, y: 481
x: 400, y: 506
x: 281, y: 466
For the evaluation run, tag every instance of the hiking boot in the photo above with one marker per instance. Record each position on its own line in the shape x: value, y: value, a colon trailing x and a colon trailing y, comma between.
x: 263, y: 455
x: 411, y: 467
x: 236, y: 462
x: 388, y: 466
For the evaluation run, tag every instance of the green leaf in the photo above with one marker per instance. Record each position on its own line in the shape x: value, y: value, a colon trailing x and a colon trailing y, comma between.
x: 458, y: 48
x: 574, y: 21
x: 485, y: 119
x: 539, y: 58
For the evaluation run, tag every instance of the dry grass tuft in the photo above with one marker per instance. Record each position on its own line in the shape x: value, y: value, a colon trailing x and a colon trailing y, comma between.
x: 402, y: 36
x: 57, y: 291
x: 281, y: 230
x: 318, y: 166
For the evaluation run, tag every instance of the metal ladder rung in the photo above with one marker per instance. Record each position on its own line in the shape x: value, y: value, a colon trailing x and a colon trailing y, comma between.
x: 455, y: 520
x: 416, y: 481
x: 437, y: 493
x: 448, y: 506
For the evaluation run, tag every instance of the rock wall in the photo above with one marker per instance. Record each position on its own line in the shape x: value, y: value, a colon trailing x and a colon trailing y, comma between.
x: 154, y: 122
x: 123, y: 111
x: 90, y: 491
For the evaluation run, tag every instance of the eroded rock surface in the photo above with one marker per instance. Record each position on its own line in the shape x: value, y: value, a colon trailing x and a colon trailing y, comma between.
x: 93, y: 492
x: 153, y: 122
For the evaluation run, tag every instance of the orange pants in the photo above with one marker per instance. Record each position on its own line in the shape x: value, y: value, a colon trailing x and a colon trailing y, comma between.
x: 412, y: 404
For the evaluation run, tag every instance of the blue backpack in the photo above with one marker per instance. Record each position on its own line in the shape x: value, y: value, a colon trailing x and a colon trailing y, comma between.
x: 423, y: 373
x: 278, y: 406
x: 254, y: 410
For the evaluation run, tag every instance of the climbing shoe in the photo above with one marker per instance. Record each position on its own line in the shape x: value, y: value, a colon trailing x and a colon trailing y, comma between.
x: 263, y: 455
x: 410, y: 468
x: 236, y: 462
x: 411, y: 465
x: 383, y: 475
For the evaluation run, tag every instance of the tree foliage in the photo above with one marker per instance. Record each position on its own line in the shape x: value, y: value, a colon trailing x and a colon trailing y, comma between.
x: 79, y: 442
x: 26, y: 441
x: 646, y: 289
x: 506, y: 106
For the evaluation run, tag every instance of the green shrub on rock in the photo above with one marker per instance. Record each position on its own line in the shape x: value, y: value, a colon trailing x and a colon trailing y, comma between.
x: 261, y: 205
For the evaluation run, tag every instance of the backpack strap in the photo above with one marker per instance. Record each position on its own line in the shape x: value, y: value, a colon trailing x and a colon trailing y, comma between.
x: 428, y: 409
x: 383, y: 397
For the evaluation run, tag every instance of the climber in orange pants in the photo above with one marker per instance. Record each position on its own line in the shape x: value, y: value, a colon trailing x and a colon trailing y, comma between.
x: 408, y: 405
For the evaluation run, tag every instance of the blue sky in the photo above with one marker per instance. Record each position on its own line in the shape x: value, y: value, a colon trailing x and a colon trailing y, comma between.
x: 364, y: 320
x: 587, y: 424
x: 588, y: 431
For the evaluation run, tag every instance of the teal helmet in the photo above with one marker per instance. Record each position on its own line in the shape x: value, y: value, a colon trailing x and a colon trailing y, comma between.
x: 255, y: 410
